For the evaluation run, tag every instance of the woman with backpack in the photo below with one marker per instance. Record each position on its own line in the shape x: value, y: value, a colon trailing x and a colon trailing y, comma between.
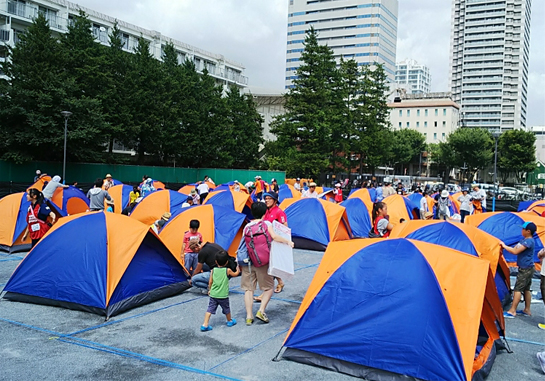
x: 381, y: 225
x: 253, y: 256
x: 37, y: 215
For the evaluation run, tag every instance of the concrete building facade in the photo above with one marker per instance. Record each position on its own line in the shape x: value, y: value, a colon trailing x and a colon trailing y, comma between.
x: 435, y: 115
x: 17, y: 15
x: 269, y: 106
x: 490, y: 42
x: 539, y: 132
x: 363, y: 30
x: 415, y: 78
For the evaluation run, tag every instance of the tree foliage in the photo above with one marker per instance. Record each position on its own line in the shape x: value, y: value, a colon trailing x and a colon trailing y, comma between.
x: 516, y: 153
x: 165, y: 111
x: 407, y: 146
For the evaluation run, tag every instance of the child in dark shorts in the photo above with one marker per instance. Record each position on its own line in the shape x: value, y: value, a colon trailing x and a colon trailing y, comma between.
x: 218, y: 289
x: 192, y: 258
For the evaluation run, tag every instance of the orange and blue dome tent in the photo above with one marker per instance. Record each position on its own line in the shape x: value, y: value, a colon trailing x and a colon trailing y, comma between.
x: 538, y: 207
x: 186, y: 189
x: 314, y: 223
x: 398, y: 309
x: 359, y: 216
x: 70, y: 201
x: 465, y: 238
x: 507, y: 227
x: 13, y: 209
x: 287, y: 191
x: 218, y: 224
x: 293, y: 181
x: 368, y: 195
x: 401, y: 207
x: 239, y: 201
x: 231, y: 186
x: 40, y: 183
x: 120, y: 194
x: 152, y: 207
x: 103, y: 263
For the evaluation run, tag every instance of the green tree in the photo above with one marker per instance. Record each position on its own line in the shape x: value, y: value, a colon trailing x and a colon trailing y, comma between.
x: 516, y: 153
x: 304, y: 131
x: 473, y: 146
x: 407, y: 145
x: 443, y: 156
x: 246, y: 128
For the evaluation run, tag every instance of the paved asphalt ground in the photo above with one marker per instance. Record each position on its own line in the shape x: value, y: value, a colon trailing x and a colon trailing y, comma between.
x: 162, y: 341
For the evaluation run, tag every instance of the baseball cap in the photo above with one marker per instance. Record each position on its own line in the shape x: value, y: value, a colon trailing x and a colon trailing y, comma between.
x: 528, y: 225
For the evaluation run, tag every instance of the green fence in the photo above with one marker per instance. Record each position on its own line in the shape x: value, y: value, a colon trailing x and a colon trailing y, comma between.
x: 87, y: 173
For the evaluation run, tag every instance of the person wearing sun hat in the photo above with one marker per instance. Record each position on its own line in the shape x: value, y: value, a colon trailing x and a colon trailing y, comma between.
x: 443, y: 206
x: 524, y: 250
x: 311, y: 192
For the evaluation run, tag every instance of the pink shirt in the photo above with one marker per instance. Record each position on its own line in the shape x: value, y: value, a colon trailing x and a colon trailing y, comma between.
x: 188, y: 237
x: 275, y: 214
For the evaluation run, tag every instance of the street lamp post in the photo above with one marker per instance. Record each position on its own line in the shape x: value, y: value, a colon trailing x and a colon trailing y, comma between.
x: 66, y: 115
x: 496, y: 136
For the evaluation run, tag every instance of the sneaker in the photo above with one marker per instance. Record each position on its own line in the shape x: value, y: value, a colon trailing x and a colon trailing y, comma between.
x: 262, y: 316
x: 541, y: 326
x: 541, y: 358
x: 231, y: 323
x: 205, y: 329
x: 249, y: 321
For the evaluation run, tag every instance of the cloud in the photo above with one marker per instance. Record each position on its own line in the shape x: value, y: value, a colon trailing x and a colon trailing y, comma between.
x: 254, y: 33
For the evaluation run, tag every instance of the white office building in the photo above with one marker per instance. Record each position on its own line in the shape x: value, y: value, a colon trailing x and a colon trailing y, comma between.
x: 17, y: 15
x: 539, y: 132
x: 414, y: 78
x: 435, y: 115
x: 363, y: 30
x: 490, y: 41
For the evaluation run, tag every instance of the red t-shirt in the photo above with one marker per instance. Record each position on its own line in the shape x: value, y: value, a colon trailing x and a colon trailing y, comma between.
x: 188, y: 237
x: 275, y: 214
x: 338, y: 192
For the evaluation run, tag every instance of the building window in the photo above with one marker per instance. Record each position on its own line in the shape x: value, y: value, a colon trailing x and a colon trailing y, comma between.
x: 444, y: 124
x: 400, y: 112
x: 417, y: 124
x: 417, y: 112
x: 444, y: 112
x: 435, y: 124
x: 408, y: 112
x: 426, y: 112
x: 443, y: 136
x: 436, y: 113
x: 425, y: 124
x: 399, y: 124
x: 425, y: 135
x: 435, y: 136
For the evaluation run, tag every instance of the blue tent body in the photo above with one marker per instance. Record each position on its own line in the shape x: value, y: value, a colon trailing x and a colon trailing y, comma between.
x: 284, y: 192
x: 176, y: 199
x: 222, y: 187
x: 225, y: 199
x: 448, y: 235
x: 125, y: 196
x: 358, y: 217
x: 116, y: 182
x: 415, y: 198
x: 523, y: 205
x: 71, y: 192
x: 71, y: 267
x: 507, y: 227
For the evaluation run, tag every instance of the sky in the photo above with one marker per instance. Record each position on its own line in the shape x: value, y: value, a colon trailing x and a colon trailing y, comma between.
x: 253, y: 32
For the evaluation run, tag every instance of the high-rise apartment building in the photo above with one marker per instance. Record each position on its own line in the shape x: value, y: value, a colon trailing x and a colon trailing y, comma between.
x: 17, y: 15
x: 365, y: 30
x: 490, y: 42
x: 414, y: 78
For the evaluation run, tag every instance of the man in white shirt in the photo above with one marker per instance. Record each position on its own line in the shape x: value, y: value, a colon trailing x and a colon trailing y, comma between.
x: 311, y: 192
x: 203, y: 190
x: 479, y: 194
x: 297, y: 184
x: 424, y: 208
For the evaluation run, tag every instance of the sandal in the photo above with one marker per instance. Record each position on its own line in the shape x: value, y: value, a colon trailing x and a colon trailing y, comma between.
x: 279, y: 288
x: 257, y: 299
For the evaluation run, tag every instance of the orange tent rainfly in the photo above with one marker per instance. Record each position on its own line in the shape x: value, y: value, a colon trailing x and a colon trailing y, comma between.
x: 398, y: 309
x: 13, y: 209
x: 315, y: 223
x: 99, y: 262
x: 121, y: 195
x: 365, y: 195
x: 217, y: 224
x: 40, y: 184
x: 464, y: 238
x: 401, y: 207
x: 70, y: 200
x: 152, y: 207
x: 239, y: 201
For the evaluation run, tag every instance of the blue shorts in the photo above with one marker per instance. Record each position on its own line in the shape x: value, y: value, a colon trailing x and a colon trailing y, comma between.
x: 214, y: 303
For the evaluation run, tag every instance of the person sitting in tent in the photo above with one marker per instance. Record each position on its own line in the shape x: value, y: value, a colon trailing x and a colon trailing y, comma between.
x: 338, y: 193
x: 134, y: 194
x: 37, y: 215
x: 108, y: 182
x: 111, y: 207
x: 258, y: 246
x: 158, y: 225
x: 52, y: 186
x: 189, y: 202
x: 218, y: 287
x: 311, y: 192
x: 96, y: 196
x: 381, y: 225
x: 297, y: 184
x: 146, y: 186
x: 524, y: 251
x: 443, y: 206
x: 465, y: 204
